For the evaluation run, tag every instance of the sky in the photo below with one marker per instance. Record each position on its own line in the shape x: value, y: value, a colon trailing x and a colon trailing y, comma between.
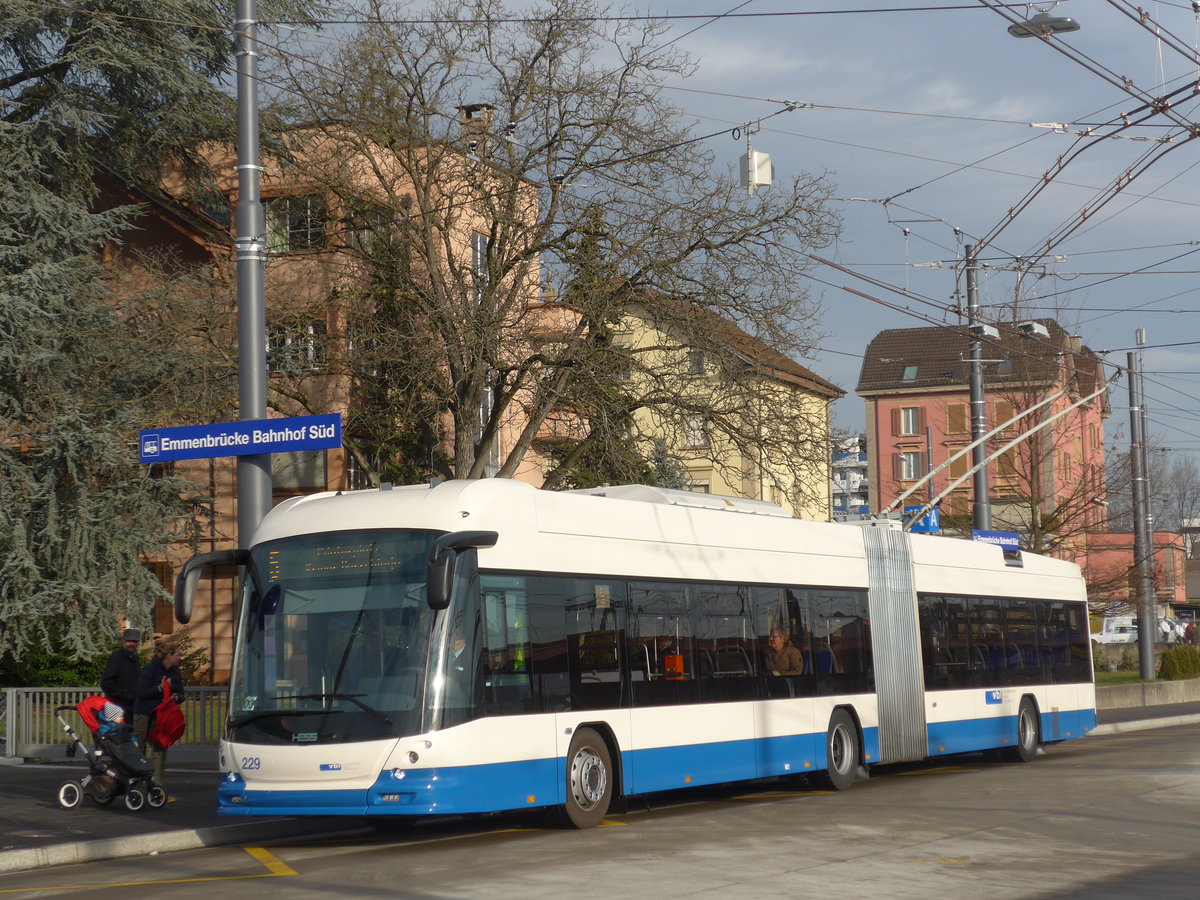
x: 922, y: 113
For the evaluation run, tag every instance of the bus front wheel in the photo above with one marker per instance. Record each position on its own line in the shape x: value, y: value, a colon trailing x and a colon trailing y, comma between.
x: 841, y: 753
x: 589, y: 780
x: 1028, y: 735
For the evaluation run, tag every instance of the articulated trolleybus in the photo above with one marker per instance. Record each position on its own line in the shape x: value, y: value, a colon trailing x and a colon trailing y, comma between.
x: 477, y: 646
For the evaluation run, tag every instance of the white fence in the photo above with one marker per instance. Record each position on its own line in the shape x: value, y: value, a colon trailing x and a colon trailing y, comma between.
x: 31, y: 729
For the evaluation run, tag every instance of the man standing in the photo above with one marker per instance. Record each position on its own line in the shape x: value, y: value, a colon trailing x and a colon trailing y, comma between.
x: 119, y: 681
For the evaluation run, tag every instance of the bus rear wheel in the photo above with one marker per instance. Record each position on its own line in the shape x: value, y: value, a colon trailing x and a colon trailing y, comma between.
x: 1028, y: 735
x: 841, y: 753
x: 589, y: 780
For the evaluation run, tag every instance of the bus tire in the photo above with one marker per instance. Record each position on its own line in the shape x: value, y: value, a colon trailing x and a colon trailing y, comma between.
x: 589, y: 780
x: 841, y: 753
x: 1028, y: 734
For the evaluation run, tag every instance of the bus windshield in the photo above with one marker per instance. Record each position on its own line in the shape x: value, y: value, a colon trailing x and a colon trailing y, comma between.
x: 333, y: 639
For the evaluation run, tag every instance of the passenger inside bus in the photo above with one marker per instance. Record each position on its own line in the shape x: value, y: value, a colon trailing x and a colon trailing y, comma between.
x: 782, y: 657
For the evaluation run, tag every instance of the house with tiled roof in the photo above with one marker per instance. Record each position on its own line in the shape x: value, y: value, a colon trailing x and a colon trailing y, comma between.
x: 1049, y: 487
x: 777, y: 451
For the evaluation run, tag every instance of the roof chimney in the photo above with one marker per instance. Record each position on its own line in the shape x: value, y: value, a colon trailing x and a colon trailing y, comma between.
x: 475, y: 128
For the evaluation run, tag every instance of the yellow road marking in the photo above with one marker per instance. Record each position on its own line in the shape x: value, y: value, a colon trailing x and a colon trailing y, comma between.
x: 778, y: 795
x: 276, y: 867
x: 273, y: 863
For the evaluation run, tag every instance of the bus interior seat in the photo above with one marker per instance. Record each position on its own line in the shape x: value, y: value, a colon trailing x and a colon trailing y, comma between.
x: 733, y: 661
x: 827, y: 663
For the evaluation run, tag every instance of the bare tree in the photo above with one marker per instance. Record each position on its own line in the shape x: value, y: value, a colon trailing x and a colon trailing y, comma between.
x: 513, y: 193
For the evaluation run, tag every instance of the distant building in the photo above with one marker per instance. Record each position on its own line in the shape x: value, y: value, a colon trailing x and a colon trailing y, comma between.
x: 915, y: 384
x: 850, y: 478
x: 1109, y: 569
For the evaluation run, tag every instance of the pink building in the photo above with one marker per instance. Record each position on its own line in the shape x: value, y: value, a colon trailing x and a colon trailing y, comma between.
x: 1112, y: 581
x: 1050, y: 488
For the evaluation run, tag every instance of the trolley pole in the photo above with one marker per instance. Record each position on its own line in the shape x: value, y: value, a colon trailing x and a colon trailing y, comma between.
x: 253, y: 472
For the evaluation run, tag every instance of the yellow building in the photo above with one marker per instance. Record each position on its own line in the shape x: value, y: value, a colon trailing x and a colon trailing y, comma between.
x: 747, y: 422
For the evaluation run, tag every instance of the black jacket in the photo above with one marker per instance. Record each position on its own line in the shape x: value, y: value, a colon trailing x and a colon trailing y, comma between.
x: 120, y: 678
x: 149, y: 686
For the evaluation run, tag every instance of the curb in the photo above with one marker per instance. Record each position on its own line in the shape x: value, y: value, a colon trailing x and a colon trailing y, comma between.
x: 170, y: 842
x: 1145, y: 724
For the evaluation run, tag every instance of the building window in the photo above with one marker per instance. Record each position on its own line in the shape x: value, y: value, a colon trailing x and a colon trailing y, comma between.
x: 299, y: 470
x: 622, y: 347
x: 162, y: 610
x: 295, y: 223
x: 910, y: 373
x: 297, y: 346
x: 958, y: 467
x: 368, y: 228
x: 357, y: 477
x: 957, y: 419
x: 908, y: 421
x: 479, y: 265
x: 1002, y: 411
x: 695, y: 433
x: 909, y: 465
x: 1006, y: 464
x: 695, y: 362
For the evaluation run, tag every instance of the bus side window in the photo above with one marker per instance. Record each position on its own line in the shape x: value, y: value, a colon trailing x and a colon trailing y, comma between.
x: 594, y: 632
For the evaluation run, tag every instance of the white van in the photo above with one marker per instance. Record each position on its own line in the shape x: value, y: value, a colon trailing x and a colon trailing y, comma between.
x: 1117, y: 630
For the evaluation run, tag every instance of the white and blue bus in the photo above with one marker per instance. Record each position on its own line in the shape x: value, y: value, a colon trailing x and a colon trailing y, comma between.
x: 477, y: 646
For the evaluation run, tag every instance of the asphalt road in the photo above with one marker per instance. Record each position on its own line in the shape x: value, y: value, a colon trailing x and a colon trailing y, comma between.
x: 1106, y: 816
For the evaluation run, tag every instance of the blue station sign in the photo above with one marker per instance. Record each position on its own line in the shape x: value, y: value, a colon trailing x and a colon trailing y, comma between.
x: 1008, y: 540
x: 240, y: 438
x: 930, y: 523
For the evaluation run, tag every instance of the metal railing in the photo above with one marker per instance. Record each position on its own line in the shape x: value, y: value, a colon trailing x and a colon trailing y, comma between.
x: 32, y: 730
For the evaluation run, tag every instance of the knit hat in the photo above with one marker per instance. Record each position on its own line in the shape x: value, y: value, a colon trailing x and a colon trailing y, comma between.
x: 112, y: 712
x: 132, y: 634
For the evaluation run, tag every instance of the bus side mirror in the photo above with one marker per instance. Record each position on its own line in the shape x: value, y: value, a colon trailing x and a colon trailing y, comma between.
x: 443, y: 557
x: 189, y: 575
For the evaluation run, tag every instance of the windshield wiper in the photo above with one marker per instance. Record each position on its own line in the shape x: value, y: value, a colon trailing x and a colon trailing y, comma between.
x: 282, y: 713
x: 353, y: 698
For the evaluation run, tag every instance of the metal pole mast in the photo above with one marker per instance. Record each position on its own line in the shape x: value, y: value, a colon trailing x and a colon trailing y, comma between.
x: 1143, y: 549
x: 982, y: 511
x: 253, y: 472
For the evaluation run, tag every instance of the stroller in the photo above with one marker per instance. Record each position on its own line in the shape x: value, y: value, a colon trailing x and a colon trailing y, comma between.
x: 115, y: 767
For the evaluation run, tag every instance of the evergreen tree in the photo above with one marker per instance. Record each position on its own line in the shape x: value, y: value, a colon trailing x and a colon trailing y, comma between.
x: 102, y: 89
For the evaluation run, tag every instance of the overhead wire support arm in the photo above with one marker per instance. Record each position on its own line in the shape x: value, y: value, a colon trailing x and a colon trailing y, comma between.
x: 966, y: 450
x: 996, y: 454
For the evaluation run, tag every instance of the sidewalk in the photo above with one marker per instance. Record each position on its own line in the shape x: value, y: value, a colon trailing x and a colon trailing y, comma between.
x: 36, y: 832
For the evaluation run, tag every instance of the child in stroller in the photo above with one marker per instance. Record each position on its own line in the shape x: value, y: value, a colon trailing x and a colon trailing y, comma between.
x: 117, y: 765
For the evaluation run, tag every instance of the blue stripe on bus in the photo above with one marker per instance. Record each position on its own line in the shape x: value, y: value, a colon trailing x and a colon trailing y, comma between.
x: 537, y: 783
x: 967, y: 735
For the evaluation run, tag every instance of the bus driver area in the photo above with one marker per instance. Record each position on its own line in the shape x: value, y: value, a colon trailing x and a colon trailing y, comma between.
x: 472, y: 647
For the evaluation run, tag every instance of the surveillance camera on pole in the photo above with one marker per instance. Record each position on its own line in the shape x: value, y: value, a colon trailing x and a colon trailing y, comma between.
x: 1033, y: 329
x: 984, y: 331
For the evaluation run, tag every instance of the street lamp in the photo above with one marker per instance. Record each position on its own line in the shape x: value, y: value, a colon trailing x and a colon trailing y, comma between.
x: 1042, y: 25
